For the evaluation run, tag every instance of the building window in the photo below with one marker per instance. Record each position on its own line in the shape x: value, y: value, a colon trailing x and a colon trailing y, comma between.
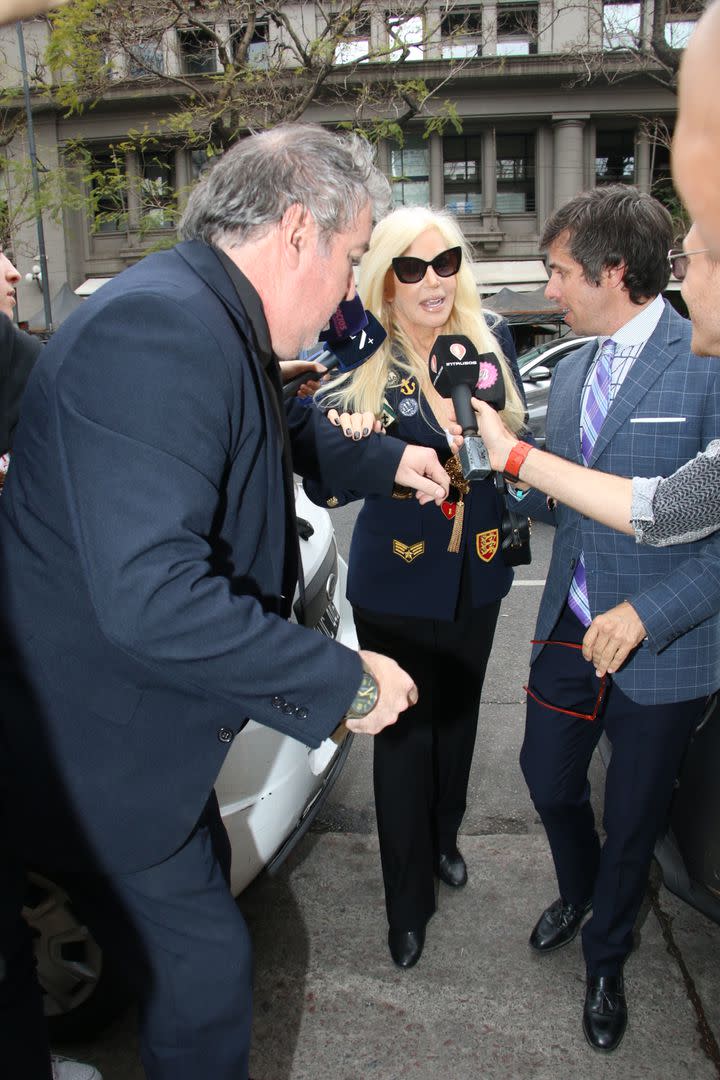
x: 621, y: 25
x: 107, y: 181
x: 517, y: 28
x: 410, y: 172
x: 258, y: 47
x: 681, y: 18
x: 461, y: 33
x: 407, y: 33
x: 156, y: 170
x: 197, y: 52
x: 615, y: 157
x: 462, y: 173
x: 356, y: 38
x: 145, y: 58
x: 515, y: 173
x: 131, y: 189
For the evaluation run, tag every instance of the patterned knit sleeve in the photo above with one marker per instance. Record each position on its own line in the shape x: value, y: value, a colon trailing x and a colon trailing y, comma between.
x: 682, y: 507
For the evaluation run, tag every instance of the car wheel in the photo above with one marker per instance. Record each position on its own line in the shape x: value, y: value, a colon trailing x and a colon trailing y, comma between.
x: 82, y: 993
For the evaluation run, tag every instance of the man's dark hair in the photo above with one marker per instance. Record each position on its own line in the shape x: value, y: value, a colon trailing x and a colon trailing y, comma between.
x: 613, y: 225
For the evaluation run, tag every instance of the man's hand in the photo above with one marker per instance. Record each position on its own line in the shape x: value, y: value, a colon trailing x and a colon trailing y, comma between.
x: 611, y: 637
x: 290, y: 369
x: 355, y: 425
x: 498, y: 439
x: 397, y: 692
x: 420, y: 468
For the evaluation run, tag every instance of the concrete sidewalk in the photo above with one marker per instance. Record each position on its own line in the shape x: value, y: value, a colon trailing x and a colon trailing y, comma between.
x: 329, y: 1003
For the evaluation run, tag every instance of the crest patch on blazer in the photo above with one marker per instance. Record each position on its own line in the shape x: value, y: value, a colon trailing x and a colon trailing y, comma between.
x: 409, y: 552
x: 487, y: 543
x: 408, y: 386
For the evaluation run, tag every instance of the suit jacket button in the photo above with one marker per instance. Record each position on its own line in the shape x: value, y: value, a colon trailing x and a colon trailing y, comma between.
x: 301, y: 712
x: 278, y: 702
x: 288, y: 708
x: 225, y: 735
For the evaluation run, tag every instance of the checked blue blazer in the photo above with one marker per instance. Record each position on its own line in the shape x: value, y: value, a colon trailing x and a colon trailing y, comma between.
x: 666, y: 410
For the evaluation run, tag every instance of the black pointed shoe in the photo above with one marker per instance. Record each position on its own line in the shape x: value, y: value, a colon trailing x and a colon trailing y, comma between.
x: 406, y: 946
x: 558, y: 925
x: 605, y: 1012
x: 451, y: 869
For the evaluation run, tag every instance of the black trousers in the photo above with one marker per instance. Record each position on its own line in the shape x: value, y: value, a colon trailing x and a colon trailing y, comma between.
x: 648, y: 743
x: 421, y: 764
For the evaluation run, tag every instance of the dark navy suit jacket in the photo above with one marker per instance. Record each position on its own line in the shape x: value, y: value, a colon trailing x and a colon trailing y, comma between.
x: 666, y: 410
x: 399, y: 559
x: 141, y: 563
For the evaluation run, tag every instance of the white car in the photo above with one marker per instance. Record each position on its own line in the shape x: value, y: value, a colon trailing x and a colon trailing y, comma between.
x: 270, y: 789
x: 536, y: 369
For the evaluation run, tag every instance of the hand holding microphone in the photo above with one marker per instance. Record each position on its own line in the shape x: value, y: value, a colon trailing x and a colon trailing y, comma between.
x: 457, y: 371
x: 354, y: 335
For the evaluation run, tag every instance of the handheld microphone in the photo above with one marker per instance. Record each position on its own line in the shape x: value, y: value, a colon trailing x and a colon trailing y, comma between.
x: 349, y: 319
x: 457, y: 371
x: 346, y: 354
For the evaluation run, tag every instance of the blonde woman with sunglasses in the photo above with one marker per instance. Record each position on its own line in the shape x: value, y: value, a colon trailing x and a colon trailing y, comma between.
x: 425, y: 583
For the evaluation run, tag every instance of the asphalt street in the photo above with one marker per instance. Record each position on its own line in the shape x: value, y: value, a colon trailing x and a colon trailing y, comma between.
x: 330, y: 1003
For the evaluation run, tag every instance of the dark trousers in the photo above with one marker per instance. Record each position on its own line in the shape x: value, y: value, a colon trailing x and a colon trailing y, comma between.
x: 421, y: 764
x: 24, y: 1052
x: 177, y: 932
x: 648, y: 743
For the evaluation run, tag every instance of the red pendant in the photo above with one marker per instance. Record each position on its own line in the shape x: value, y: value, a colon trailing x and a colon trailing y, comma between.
x: 449, y: 509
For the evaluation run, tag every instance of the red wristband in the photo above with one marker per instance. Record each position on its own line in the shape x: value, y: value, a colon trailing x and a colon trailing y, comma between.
x: 515, y: 460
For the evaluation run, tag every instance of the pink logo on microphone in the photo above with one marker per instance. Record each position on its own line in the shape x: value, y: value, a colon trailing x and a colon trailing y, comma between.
x: 487, y: 376
x: 458, y: 350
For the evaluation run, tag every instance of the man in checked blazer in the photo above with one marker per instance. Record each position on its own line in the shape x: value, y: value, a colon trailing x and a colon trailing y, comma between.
x: 656, y: 608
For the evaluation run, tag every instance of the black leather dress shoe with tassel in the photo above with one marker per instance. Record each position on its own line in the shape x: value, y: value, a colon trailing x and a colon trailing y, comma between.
x: 605, y: 1012
x: 558, y: 925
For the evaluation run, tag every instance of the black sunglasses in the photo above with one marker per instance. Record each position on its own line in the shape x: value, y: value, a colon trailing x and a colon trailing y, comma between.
x: 410, y: 270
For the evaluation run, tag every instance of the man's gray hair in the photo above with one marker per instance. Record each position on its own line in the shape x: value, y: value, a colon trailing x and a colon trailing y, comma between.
x: 252, y: 185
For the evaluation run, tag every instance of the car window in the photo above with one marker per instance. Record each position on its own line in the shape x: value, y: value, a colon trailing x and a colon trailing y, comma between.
x: 548, y: 354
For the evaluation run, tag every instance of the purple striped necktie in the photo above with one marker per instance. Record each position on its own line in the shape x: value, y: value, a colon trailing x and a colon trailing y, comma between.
x: 595, y: 409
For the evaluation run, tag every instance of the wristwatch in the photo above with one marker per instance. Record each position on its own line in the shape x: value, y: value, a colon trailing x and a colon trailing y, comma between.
x: 514, y: 463
x: 365, y: 699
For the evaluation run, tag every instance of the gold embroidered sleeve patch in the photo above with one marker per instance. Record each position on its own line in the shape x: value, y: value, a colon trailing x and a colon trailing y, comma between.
x: 487, y: 543
x: 409, y: 552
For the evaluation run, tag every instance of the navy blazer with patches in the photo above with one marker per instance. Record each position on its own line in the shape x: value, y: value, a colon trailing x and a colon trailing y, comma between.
x: 399, y: 560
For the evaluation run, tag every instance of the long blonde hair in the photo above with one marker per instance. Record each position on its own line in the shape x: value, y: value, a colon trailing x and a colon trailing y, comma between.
x: 363, y: 390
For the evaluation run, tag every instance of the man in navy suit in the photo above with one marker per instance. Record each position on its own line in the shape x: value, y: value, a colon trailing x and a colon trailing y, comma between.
x: 634, y: 403
x: 148, y: 561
